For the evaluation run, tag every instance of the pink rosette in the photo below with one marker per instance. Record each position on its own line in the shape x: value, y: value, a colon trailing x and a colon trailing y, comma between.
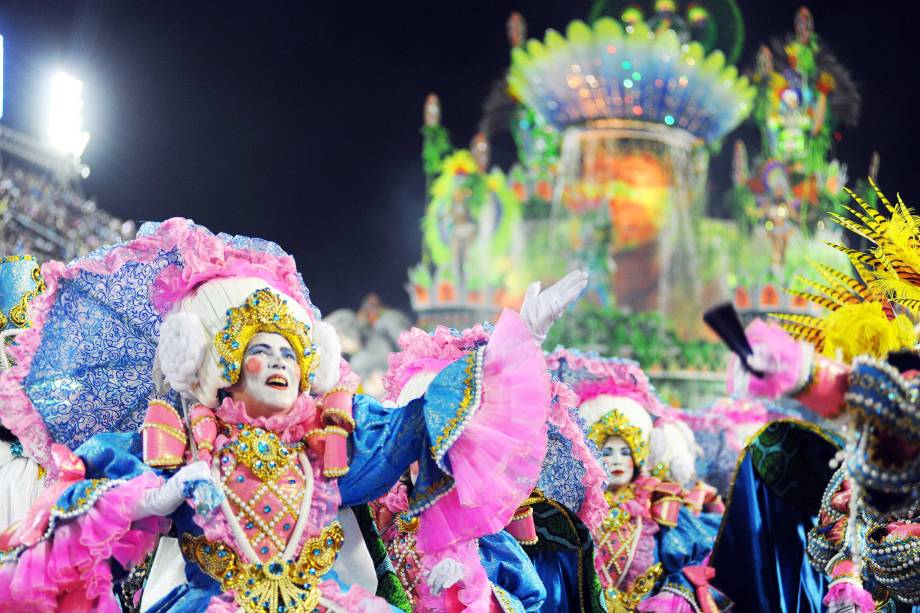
x: 846, y: 592
x: 291, y: 427
x: 496, y: 460
x: 70, y: 571
x: 594, y: 507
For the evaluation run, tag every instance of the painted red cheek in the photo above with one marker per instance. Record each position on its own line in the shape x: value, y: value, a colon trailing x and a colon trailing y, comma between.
x: 254, y: 365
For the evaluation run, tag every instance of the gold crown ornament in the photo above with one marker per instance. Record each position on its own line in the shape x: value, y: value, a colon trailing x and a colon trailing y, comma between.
x: 265, y: 311
x: 616, y: 423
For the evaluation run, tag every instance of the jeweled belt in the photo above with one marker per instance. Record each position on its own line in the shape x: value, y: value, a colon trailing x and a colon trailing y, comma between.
x: 276, y: 586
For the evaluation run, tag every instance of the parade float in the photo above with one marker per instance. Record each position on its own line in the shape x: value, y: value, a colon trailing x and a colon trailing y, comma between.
x: 615, y: 121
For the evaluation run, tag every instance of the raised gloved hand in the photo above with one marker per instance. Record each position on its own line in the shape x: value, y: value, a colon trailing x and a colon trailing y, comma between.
x: 445, y: 574
x: 541, y: 309
x: 165, y: 499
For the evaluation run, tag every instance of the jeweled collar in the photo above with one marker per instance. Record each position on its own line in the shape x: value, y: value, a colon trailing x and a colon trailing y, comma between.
x: 290, y: 427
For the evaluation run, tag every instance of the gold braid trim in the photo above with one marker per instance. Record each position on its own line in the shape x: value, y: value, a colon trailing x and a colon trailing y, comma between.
x: 291, y: 585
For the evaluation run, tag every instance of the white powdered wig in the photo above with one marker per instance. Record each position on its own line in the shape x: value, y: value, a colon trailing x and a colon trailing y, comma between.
x: 673, y: 444
x: 327, y: 342
x: 415, y: 387
x: 186, y: 355
x: 593, y: 410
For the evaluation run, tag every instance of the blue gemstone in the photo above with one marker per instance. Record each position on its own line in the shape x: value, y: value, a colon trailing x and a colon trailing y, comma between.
x: 275, y: 568
x: 250, y: 525
x: 271, y: 464
x: 207, y: 548
x: 235, y: 345
x: 251, y: 582
x: 312, y: 571
x: 287, y: 526
x: 280, y: 608
x: 316, y: 552
x: 244, y: 447
x: 221, y: 554
x: 267, y: 509
x: 224, y: 460
x: 229, y: 575
x: 258, y: 464
x: 263, y: 448
x: 264, y: 550
x: 276, y: 317
x: 240, y: 479
x: 291, y: 481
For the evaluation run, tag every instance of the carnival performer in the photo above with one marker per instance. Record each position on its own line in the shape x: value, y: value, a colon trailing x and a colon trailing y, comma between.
x: 860, y: 360
x: 569, y: 470
x: 21, y: 477
x: 651, y: 548
x: 276, y: 438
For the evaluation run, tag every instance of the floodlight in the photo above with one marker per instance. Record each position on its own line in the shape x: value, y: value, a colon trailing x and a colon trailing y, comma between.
x: 65, y: 115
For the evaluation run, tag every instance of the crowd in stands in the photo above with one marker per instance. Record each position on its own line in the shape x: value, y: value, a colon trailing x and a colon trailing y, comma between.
x: 41, y: 215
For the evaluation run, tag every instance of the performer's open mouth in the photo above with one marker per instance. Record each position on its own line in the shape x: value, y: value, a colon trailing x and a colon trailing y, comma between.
x: 277, y: 381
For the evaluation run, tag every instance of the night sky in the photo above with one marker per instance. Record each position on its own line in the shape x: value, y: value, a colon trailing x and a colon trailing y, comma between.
x: 302, y: 126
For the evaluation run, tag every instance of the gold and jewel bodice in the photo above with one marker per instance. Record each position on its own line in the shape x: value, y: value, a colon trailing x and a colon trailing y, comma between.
x: 624, y: 551
x: 265, y: 485
x: 287, y: 586
x: 269, y: 486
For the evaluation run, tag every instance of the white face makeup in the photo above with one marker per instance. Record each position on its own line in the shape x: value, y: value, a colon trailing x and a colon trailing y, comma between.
x: 270, y: 378
x: 618, y: 461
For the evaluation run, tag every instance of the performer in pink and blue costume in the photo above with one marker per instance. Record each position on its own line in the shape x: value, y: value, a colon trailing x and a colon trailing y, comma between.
x: 274, y: 442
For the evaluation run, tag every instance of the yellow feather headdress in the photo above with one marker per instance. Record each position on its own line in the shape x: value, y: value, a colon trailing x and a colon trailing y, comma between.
x: 872, y: 312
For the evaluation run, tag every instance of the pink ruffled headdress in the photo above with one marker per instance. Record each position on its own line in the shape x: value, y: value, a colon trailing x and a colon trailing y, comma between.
x: 204, y: 256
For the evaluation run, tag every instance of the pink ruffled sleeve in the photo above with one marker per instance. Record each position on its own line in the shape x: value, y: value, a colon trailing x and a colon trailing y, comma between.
x: 70, y: 569
x: 496, y: 460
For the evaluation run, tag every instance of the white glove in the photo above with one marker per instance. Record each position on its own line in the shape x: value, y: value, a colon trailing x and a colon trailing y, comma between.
x: 445, y: 574
x: 165, y: 499
x: 541, y: 309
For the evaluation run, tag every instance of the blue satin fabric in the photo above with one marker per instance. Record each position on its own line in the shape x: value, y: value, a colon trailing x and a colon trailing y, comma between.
x: 509, y: 568
x: 387, y: 440
x: 113, y: 455
x: 760, y: 559
x: 559, y: 572
x: 686, y: 544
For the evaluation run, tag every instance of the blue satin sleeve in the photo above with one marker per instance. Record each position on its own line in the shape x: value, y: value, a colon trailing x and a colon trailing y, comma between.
x: 113, y: 455
x: 760, y: 560
x: 686, y: 544
x: 385, y: 442
x: 509, y: 568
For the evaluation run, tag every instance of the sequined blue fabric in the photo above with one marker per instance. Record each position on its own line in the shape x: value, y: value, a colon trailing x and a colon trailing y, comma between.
x: 445, y: 412
x: 17, y: 277
x: 92, y: 371
x: 561, y: 475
